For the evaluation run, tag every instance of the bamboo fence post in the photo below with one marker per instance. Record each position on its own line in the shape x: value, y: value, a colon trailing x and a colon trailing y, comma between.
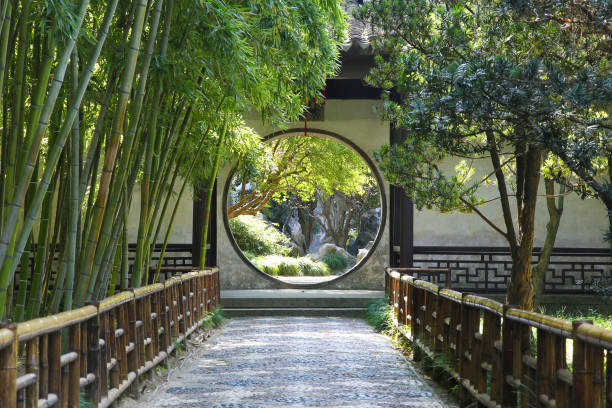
x: 43, y: 353
x: 545, y: 366
x: 165, y: 322
x: 581, y: 372
x: 595, y: 363
x: 207, y: 296
x: 32, y: 367
x: 487, y: 350
x: 198, y: 298
x: 93, y: 355
x: 55, y: 372
x: 407, y: 301
x: 141, y: 324
x: 478, y: 353
x: 210, y: 287
x: 415, y: 321
x: 8, y: 367
x: 445, y: 328
x: 455, y: 332
x: 122, y: 343
x: 113, y: 348
x: 188, y: 305
x: 438, y: 335
x: 183, y: 323
x: 150, y: 333
x: 132, y: 334
x: 65, y: 385
x: 508, y: 352
x: 429, y: 313
x: 75, y: 374
x: 463, y: 348
x: 563, y: 391
x: 103, y: 334
x: 497, y: 376
x: 83, y: 354
x: 174, y: 311
x: 401, y: 313
x: 395, y: 295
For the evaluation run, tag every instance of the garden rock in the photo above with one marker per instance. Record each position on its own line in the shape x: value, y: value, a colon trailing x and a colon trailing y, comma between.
x: 327, y: 248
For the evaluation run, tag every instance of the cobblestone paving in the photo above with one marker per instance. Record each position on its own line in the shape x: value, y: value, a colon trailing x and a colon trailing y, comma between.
x: 296, y: 362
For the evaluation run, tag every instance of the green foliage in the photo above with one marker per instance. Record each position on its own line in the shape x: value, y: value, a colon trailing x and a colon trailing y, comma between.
x: 84, y: 401
x: 153, y: 92
x: 277, y: 265
x: 298, y: 166
x: 213, y: 319
x: 497, y: 81
x: 502, y: 75
x: 249, y: 254
x: 599, y: 318
x: 379, y: 314
x: 257, y: 237
x: 336, y: 262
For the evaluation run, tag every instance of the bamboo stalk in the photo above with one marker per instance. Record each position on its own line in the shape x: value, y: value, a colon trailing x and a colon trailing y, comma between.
x: 27, y: 166
x: 75, y: 204
x: 53, y: 156
x: 209, y: 194
x: 110, y: 155
x: 56, y: 149
x: 8, y: 369
x: 176, y: 205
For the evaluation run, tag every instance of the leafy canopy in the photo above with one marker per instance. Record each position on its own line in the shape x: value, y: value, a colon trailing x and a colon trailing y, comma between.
x: 484, y: 77
x: 297, y: 166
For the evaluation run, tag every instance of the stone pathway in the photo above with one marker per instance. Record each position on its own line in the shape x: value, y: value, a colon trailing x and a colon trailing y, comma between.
x: 296, y: 362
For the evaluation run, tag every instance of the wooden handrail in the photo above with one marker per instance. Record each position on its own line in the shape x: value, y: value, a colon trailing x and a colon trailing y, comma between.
x: 104, y: 347
x: 491, y: 352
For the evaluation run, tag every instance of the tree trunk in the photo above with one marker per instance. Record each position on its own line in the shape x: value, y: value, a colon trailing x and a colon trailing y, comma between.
x: 555, y: 210
x: 520, y: 289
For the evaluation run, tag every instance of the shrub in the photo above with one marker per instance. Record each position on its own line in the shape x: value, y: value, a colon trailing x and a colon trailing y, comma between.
x: 379, y: 314
x: 336, y: 262
x: 277, y: 265
x: 257, y: 237
x: 249, y: 255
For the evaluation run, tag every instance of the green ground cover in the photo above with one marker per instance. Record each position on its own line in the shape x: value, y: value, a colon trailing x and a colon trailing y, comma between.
x: 600, y: 317
x: 278, y: 265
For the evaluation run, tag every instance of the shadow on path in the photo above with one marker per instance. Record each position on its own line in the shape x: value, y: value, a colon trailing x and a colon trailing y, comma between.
x: 295, y: 362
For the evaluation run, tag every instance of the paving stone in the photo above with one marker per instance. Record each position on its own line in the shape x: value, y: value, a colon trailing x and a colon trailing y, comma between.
x: 270, y: 362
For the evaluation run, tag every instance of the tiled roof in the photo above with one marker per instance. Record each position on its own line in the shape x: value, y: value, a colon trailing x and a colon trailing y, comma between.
x: 360, y: 35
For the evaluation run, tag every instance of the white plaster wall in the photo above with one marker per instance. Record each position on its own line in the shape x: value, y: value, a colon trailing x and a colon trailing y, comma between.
x: 182, y: 229
x: 355, y: 120
x: 582, y: 223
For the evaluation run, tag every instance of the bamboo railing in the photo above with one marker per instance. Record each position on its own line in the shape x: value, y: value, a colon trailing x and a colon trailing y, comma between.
x: 503, y: 356
x: 102, y: 349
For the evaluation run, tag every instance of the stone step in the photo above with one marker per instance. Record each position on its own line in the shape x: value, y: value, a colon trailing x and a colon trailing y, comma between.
x: 296, y: 302
x: 302, y: 311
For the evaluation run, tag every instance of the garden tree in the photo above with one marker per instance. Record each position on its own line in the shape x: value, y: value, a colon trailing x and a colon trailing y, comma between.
x: 339, y: 213
x: 575, y: 38
x: 98, y: 97
x: 298, y: 165
x: 471, y: 88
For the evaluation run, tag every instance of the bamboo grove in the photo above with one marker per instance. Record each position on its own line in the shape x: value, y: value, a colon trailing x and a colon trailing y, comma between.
x: 103, y: 101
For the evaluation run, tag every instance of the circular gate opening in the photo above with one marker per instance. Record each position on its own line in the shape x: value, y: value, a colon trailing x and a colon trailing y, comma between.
x: 305, y: 210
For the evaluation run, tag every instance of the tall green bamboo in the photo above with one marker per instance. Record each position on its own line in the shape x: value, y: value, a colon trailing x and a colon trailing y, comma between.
x: 56, y: 149
x: 75, y: 203
x: 209, y: 193
x: 9, y: 234
x: 85, y: 282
